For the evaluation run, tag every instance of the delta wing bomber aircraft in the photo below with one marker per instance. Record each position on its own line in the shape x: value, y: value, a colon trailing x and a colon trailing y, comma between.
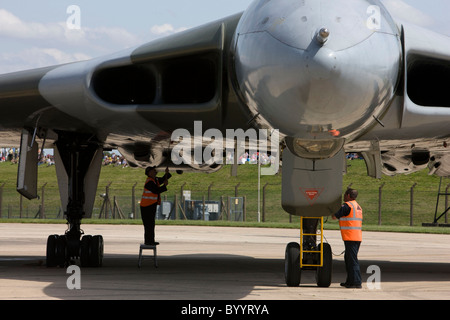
x: 327, y: 76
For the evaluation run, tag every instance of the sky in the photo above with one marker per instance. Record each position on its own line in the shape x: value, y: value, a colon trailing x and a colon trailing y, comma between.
x: 48, y: 32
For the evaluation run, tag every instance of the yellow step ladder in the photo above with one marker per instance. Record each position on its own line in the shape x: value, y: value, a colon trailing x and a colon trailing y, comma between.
x: 311, y: 234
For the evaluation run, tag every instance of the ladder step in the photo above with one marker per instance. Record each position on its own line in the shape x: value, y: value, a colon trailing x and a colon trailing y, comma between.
x: 311, y: 265
x: 319, y: 234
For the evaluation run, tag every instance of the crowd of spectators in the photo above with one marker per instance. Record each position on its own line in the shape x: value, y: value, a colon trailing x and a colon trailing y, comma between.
x: 12, y: 155
x: 9, y: 154
x: 114, y: 160
x: 47, y: 159
x: 247, y: 158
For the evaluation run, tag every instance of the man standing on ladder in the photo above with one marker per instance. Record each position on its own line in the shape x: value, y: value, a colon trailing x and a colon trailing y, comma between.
x: 350, y: 217
x: 151, y: 198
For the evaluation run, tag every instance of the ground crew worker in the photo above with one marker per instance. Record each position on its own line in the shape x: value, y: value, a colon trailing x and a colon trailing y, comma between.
x: 151, y: 198
x: 350, y: 217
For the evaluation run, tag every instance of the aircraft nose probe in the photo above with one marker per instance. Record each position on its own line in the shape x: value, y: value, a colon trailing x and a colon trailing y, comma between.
x: 322, y: 35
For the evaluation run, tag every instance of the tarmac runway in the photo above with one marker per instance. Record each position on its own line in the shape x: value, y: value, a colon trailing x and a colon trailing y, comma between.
x: 215, y: 263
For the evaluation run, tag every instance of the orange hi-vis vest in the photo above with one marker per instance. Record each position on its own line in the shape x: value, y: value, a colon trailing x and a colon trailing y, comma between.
x: 148, y: 197
x: 351, y: 225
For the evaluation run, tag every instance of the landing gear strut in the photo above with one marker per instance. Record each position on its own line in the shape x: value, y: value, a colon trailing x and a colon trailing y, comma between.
x: 309, y: 255
x: 81, y: 160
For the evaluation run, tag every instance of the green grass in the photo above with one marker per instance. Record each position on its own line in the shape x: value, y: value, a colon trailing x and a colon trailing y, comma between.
x: 395, y: 208
x: 222, y: 223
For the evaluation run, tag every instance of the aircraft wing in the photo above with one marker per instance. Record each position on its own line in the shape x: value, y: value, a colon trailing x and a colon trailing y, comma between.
x: 131, y: 100
x: 414, y: 133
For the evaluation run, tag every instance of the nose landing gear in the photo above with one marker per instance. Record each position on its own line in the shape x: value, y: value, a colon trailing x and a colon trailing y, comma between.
x: 309, y: 255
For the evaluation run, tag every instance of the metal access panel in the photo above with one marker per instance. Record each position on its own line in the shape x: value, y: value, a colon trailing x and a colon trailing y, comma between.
x: 312, y: 188
x: 28, y: 167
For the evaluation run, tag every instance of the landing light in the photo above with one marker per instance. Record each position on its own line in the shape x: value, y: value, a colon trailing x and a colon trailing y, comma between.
x: 314, y: 149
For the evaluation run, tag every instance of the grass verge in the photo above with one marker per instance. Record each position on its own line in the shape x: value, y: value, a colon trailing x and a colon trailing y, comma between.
x: 327, y: 226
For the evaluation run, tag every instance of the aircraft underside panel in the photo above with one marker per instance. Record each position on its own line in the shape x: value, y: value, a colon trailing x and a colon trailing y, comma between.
x: 312, y: 188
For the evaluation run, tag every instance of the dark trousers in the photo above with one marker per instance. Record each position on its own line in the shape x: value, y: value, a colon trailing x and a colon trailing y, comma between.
x: 352, y: 263
x: 148, y: 218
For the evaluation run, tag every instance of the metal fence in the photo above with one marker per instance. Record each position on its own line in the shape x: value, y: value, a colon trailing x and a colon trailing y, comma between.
x: 383, y: 204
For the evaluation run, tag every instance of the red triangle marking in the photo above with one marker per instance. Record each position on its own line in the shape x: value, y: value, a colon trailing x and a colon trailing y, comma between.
x: 312, y: 194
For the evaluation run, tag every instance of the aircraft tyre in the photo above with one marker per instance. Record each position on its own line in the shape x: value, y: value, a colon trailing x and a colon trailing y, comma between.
x: 324, y: 273
x: 96, y: 260
x: 56, y: 251
x: 292, y: 269
x: 85, y: 250
x: 91, y: 251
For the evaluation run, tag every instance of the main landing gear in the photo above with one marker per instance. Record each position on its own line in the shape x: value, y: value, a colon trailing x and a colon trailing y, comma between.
x: 61, y: 251
x: 309, y: 255
x: 78, y: 161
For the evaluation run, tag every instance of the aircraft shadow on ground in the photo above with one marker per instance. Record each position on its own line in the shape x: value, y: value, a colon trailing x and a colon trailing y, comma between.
x: 194, y: 276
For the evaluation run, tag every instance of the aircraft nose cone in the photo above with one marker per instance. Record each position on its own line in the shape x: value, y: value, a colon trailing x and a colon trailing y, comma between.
x: 296, y: 23
x: 312, y: 67
x: 321, y: 64
x: 321, y: 68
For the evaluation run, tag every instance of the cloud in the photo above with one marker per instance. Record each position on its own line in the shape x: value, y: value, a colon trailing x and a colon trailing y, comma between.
x: 59, y: 56
x: 42, y: 44
x: 58, y: 32
x: 35, y: 57
x: 165, y: 29
x: 403, y: 11
x: 29, y: 44
x: 12, y: 26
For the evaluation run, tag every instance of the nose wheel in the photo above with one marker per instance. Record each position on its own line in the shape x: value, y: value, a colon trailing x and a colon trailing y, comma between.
x: 309, y: 256
x: 324, y: 273
x: 292, y: 270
